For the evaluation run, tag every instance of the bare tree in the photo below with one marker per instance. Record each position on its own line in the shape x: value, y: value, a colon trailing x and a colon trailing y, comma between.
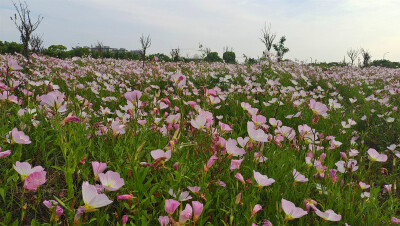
x: 100, y: 48
x: 366, y: 57
x: 204, y: 50
x: 23, y: 22
x: 36, y: 43
x: 227, y: 49
x: 175, y: 54
x: 353, y: 54
x: 267, y: 38
x: 146, y: 43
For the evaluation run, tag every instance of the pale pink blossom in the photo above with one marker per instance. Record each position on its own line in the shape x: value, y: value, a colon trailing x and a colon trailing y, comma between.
x: 163, y: 220
x: 156, y: 154
x: 25, y: 169
x: 233, y: 149
x: 92, y: 199
x: 133, y: 96
x: 256, y: 208
x: 98, y: 167
x: 197, y: 209
x: 256, y: 134
x: 171, y: 205
x: 239, y: 176
x: 34, y: 180
x: 111, y: 180
x: 19, y: 137
x: 291, y: 210
x: 375, y: 156
x: 262, y: 180
x: 298, y: 177
x: 186, y: 214
x: 329, y: 215
x: 318, y: 107
x: 395, y: 220
x: 194, y: 189
x: 4, y: 154
x: 235, y: 164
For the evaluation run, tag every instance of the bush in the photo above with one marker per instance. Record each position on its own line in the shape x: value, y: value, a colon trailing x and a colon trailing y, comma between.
x: 10, y: 47
x: 213, y: 57
x: 229, y: 57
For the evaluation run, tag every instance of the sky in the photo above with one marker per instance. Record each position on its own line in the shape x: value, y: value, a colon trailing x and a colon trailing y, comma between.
x: 321, y: 30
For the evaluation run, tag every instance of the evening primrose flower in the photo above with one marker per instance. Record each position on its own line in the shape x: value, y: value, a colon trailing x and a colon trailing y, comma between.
x: 4, y: 154
x: 25, y: 169
x: 262, y: 180
x: 318, y: 108
x: 34, y: 180
x: 291, y: 210
x: 375, y: 156
x: 98, y: 167
x: 171, y: 205
x: 298, y: 177
x: 156, y: 154
x: 329, y: 215
x: 186, y: 214
x: 111, y: 180
x: 92, y: 199
x: 19, y: 137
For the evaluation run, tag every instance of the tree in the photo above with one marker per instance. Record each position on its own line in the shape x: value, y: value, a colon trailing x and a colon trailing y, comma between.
x: 175, y: 54
x: 213, y: 57
x: 366, y: 57
x: 36, y: 43
x: 280, y: 48
x: 267, y: 38
x: 146, y: 43
x: 352, y: 54
x: 204, y: 50
x: 23, y: 22
x: 229, y: 57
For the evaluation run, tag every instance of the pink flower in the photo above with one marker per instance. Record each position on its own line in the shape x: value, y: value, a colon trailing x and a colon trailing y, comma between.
x: 262, y: 180
x: 310, y: 204
x: 199, y: 122
x: 243, y: 141
x: 318, y: 107
x: 117, y: 128
x: 4, y: 154
x: 25, y: 169
x: 34, y: 180
x: 156, y: 154
x: 298, y: 177
x: 111, y: 180
x: 125, y: 197
x: 233, y: 149
x: 50, y: 203
x: 171, y: 205
x: 13, y: 64
x: 210, y: 162
x: 240, y: 177
x: 19, y: 137
x: 133, y: 96
x: 256, y: 208
x: 291, y: 210
x: 329, y: 215
x: 55, y: 100
x: 186, y: 214
x: 197, y: 209
x: 92, y: 199
x: 235, y: 164
x: 363, y: 185
x: 98, y: 167
x: 183, y: 196
x: 124, y: 219
x: 375, y: 156
x: 267, y: 223
x: 71, y: 118
x: 394, y: 220
x: 194, y: 189
x: 258, y: 119
x: 256, y: 134
x: 164, y: 220
x: 224, y: 127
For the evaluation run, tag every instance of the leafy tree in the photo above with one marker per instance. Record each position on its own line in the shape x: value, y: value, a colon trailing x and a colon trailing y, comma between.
x: 160, y: 56
x: 58, y: 51
x: 366, y: 57
x: 229, y: 57
x: 213, y: 57
x: 11, y: 47
x: 280, y: 48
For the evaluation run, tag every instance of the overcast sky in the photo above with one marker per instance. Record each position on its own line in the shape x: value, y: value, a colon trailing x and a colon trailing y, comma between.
x: 320, y: 29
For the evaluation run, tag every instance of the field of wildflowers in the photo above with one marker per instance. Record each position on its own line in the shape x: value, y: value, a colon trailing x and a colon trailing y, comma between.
x: 102, y: 141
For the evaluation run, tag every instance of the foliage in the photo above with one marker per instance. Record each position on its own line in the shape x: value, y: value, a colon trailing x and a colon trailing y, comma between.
x: 229, y: 57
x: 10, y: 47
x: 385, y: 63
x: 280, y: 48
x: 325, y: 137
x: 213, y: 57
